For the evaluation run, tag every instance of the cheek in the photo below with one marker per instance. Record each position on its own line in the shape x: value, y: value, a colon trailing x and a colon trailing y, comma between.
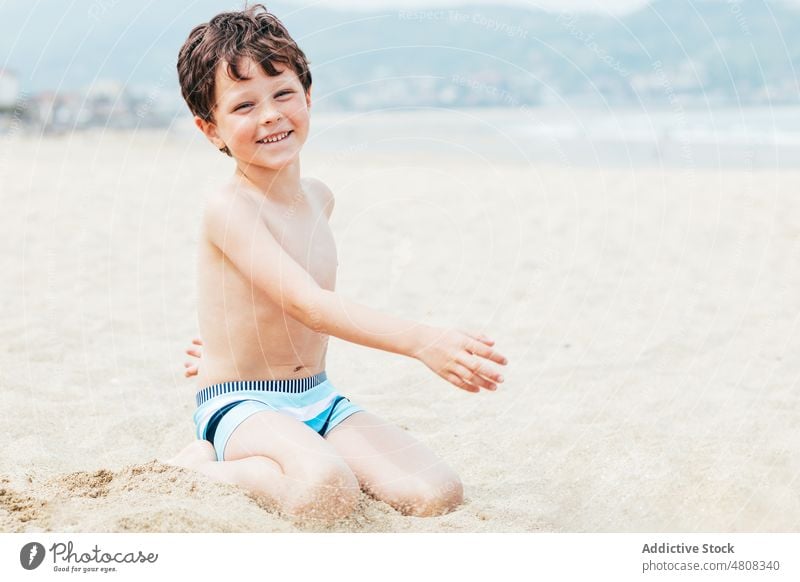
x: 300, y: 119
x: 297, y: 111
x: 241, y: 131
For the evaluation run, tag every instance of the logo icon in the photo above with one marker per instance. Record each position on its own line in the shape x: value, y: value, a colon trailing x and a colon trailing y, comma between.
x: 31, y: 555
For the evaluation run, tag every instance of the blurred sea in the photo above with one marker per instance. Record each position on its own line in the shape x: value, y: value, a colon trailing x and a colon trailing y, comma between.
x: 753, y: 137
x: 723, y: 137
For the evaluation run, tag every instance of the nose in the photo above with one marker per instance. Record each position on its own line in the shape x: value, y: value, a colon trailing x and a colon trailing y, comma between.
x: 269, y: 115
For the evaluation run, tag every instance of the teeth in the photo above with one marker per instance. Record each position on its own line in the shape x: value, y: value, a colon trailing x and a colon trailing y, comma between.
x: 278, y: 137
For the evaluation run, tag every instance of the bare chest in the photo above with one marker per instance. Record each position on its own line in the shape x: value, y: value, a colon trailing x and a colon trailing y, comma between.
x: 307, y: 238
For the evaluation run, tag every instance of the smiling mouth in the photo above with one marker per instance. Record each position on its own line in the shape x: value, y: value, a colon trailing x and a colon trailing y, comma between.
x: 275, y: 138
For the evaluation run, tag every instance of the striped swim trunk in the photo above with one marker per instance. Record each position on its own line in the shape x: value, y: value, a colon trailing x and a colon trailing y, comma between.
x: 311, y: 400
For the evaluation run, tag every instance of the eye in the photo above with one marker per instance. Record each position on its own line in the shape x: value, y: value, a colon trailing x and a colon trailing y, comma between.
x: 284, y: 93
x: 242, y: 106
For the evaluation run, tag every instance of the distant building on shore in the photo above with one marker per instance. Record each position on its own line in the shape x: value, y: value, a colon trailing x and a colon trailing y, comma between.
x: 9, y: 89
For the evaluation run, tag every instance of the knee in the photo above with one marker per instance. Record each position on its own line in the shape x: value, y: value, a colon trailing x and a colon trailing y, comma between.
x: 326, y: 493
x: 428, y: 498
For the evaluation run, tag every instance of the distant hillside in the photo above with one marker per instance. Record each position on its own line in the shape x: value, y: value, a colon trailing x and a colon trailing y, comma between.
x: 744, y: 52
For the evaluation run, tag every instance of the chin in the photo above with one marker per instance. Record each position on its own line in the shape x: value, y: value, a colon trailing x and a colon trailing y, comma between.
x: 269, y: 161
x: 275, y: 164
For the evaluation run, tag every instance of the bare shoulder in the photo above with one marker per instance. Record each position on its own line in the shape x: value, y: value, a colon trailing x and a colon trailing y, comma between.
x: 322, y: 193
x: 217, y: 204
x: 225, y: 207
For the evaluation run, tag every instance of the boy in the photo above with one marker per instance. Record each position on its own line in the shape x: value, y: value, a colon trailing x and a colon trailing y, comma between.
x: 268, y: 418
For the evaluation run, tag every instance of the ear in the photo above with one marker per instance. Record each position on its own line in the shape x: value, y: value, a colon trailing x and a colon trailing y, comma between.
x: 210, y: 131
x: 308, y: 97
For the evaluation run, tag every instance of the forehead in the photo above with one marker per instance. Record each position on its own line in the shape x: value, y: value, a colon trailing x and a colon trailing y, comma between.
x: 252, y: 74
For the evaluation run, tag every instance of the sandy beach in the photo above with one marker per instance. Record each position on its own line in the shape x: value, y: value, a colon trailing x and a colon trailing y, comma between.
x: 649, y: 316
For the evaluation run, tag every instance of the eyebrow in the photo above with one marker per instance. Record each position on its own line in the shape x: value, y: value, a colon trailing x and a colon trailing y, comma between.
x: 236, y: 94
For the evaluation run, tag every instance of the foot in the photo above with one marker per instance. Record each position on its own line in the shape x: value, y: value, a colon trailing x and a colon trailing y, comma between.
x: 194, y: 456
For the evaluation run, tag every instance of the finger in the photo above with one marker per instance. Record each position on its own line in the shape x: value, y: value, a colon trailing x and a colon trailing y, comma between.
x: 456, y: 381
x: 485, y: 384
x: 481, y: 382
x: 476, y: 367
x: 486, y: 352
x: 481, y: 337
x: 472, y: 378
x: 192, y: 352
x: 197, y: 341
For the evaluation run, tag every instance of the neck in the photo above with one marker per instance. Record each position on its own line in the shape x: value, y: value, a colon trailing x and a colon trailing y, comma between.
x: 279, y: 186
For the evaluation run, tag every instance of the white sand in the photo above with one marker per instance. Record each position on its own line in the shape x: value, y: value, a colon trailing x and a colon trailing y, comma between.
x: 649, y: 317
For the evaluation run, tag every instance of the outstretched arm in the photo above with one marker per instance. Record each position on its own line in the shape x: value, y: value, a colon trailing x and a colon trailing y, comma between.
x: 462, y: 358
x: 234, y: 225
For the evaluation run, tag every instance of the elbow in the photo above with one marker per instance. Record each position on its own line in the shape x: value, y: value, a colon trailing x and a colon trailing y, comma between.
x: 310, y: 311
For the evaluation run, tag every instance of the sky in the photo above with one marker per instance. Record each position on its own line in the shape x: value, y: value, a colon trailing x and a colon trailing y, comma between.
x: 615, y: 7
x: 605, y: 6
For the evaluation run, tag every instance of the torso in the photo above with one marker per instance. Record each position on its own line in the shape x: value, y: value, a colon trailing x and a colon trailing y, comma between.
x: 246, y: 336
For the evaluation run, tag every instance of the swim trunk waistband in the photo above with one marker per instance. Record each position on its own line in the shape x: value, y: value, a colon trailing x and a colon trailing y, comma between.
x: 290, y: 386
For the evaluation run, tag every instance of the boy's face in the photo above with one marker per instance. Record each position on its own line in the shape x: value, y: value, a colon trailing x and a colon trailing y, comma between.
x: 261, y: 106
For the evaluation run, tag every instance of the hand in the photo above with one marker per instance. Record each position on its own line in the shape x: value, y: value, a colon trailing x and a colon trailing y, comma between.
x: 193, y: 367
x: 461, y: 357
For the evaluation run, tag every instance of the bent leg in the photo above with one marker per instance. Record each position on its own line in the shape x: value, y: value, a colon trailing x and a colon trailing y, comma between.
x: 396, y: 468
x: 283, y: 461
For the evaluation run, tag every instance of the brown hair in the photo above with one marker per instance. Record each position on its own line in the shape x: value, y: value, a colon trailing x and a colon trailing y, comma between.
x: 228, y: 37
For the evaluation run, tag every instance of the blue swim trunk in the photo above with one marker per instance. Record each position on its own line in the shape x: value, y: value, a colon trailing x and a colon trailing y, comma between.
x: 311, y: 400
